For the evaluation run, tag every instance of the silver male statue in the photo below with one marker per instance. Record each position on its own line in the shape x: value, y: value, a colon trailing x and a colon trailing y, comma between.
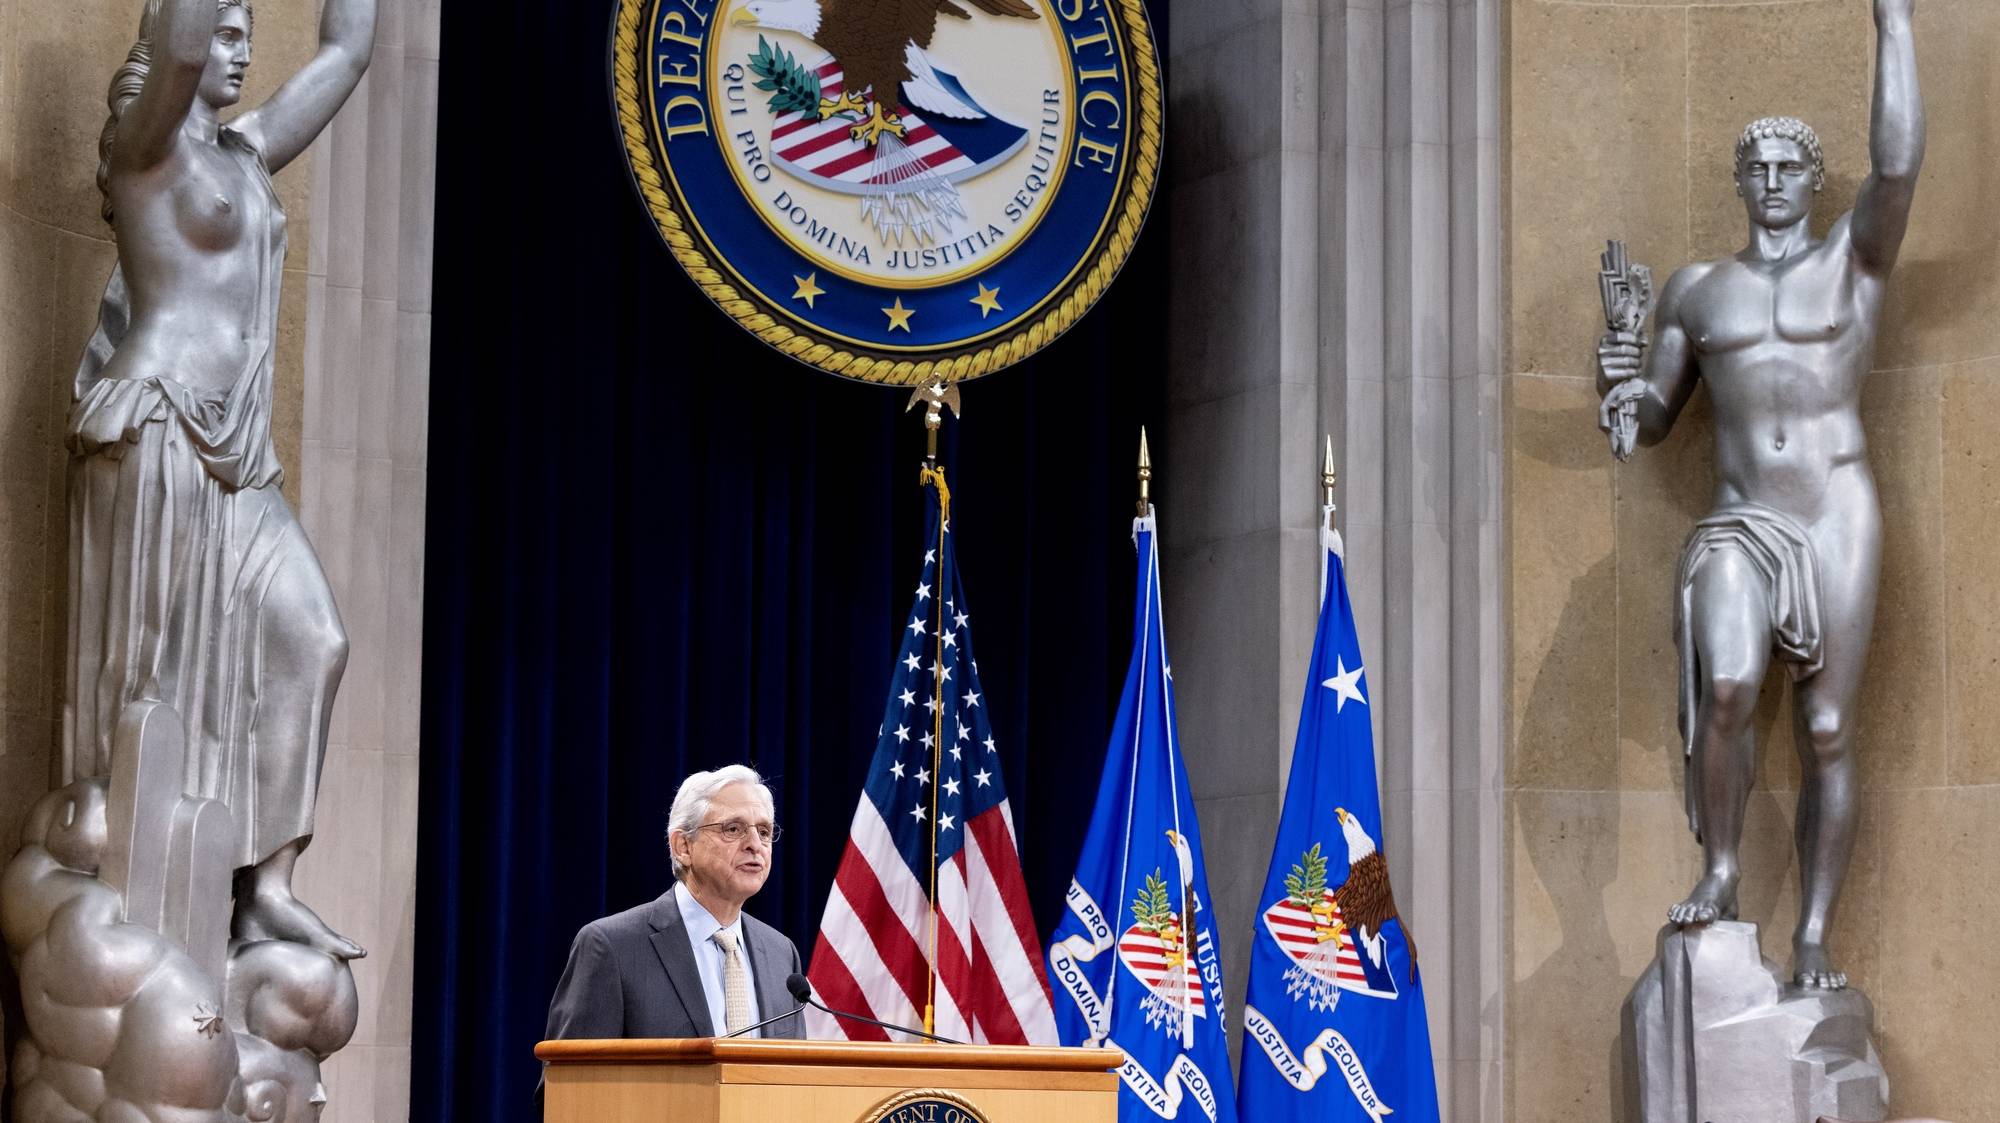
x: 204, y: 645
x: 1788, y: 561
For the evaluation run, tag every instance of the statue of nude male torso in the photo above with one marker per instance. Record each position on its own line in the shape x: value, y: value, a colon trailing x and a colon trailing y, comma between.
x: 1785, y: 348
x: 1785, y: 566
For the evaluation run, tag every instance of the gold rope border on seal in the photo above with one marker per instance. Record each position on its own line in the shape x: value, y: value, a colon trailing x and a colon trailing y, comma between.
x: 881, y: 1112
x: 758, y: 320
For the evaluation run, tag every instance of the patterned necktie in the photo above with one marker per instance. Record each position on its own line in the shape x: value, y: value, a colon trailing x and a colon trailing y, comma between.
x: 735, y: 984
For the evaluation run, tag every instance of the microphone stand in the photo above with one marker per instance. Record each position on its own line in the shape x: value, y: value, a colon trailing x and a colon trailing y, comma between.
x: 762, y: 1024
x: 801, y: 990
x: 810, y: 1001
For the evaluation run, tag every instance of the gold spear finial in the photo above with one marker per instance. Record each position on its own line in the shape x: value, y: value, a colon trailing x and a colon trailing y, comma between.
x: 1328, y: 477
x: 1145, y: 476
x: 935, y: 396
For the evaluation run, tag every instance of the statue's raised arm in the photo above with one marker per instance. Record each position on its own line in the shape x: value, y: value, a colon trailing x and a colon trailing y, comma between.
x: 284, y: 125
x: 180, y: 43
x: 1895, y: 141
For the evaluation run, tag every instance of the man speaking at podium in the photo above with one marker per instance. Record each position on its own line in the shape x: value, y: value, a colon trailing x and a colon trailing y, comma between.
x: 691, y: 963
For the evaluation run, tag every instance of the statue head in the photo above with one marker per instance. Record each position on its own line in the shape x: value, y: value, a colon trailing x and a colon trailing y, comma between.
x: 1779, y: 168
x: 221, y: 79
x: 228, y: 55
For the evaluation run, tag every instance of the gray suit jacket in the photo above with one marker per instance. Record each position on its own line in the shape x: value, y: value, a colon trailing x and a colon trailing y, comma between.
x: 634, y: 975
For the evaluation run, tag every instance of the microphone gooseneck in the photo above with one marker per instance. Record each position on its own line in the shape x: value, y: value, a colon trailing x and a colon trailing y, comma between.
x: 801, y: 989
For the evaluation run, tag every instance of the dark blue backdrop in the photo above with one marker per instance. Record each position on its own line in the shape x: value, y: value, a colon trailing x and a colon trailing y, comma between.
x: 655, y: 546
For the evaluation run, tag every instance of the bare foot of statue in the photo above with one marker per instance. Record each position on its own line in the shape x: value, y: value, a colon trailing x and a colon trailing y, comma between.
x: 266, y: 909
x: 1714, y: 898
x: 1814, y: 970
x: 269, y: 912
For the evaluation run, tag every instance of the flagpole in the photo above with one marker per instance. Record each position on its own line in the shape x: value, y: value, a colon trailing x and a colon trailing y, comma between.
x: 1154, y: 631
x: 935, y: 397
x: 1151, y: 563
x: 1144, y: 627
x: 1145, y: 476
x: 1327, y: 478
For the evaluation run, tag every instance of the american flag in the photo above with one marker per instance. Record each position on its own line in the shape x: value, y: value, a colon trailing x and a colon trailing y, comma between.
x: 935, y: 782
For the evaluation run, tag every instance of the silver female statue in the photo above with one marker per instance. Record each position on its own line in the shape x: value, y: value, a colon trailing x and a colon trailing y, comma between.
x: 191, y: 581
x: 1784, y: 335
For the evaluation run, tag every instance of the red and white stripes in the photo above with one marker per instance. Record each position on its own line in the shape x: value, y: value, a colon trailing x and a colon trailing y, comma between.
x: 824, y: 150
x: 874, y: 942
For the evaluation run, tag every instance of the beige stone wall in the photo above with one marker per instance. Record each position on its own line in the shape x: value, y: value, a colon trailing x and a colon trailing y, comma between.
x: 56, y: 59
x: 1624, y: 117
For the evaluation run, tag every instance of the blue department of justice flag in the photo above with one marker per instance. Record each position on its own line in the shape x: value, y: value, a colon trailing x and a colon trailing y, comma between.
x: 1135, y: 963
x: 1333, y: 1021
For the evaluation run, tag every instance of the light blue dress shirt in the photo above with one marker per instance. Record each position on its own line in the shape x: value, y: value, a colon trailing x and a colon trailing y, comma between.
x: 708, y: 958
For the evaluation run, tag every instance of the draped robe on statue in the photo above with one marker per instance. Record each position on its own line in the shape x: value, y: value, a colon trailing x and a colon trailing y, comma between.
x: 191, y: 581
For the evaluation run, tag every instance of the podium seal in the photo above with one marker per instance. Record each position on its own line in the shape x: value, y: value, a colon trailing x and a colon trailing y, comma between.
x: 894, y: 192
x: 928, y: 1106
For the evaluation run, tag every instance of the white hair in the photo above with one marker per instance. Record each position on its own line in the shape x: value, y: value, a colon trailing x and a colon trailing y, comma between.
x: 691, y: 801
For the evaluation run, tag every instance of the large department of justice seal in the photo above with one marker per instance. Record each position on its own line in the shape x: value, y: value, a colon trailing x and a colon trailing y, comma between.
x: 897, y: 191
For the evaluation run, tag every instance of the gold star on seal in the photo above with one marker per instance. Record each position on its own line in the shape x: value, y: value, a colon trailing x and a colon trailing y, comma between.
x: 988, y: 300
x: 899, y: 316
x: 807, y: 289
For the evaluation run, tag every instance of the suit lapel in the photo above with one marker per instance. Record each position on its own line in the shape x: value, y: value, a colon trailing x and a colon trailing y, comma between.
x: 670, y: 943
x: 772, y: 997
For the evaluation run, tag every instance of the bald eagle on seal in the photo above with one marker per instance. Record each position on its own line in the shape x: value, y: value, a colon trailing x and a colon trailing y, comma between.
x: 880, y: 46
x: 1366, y: 900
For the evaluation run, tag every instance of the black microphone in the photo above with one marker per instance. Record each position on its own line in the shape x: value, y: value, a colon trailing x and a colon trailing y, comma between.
x: 802, y: 991
x: 791, y: 985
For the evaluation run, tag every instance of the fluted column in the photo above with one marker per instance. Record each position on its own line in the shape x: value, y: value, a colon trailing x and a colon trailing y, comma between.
x: 1335, y: 233
x: 367, y: 381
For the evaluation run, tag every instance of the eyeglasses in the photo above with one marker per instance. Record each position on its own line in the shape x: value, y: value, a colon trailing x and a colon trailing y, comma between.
x: 736, y: 830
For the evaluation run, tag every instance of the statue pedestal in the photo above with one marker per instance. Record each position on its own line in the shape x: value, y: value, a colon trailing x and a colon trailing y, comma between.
x: 1713, y: 1034
x: 116, y: 913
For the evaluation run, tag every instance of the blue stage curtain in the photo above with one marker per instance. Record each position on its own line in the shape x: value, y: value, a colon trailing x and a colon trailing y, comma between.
x: 656, y: 546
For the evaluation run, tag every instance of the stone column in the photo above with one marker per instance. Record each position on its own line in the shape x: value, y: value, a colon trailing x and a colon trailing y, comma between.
x: 367, y: 377
x: 1334, y: 223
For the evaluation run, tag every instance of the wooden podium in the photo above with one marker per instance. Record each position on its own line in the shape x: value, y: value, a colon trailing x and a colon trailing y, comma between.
x: 706, y: 1080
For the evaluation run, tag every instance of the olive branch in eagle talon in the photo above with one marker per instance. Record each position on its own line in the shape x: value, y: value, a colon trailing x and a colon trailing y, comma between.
x: 1313, y: 978
x: 793, y: 86
x: 1154, y: 913
x: 1307, y: 881
x: 1151, y: 909
x: 1306, y: 885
